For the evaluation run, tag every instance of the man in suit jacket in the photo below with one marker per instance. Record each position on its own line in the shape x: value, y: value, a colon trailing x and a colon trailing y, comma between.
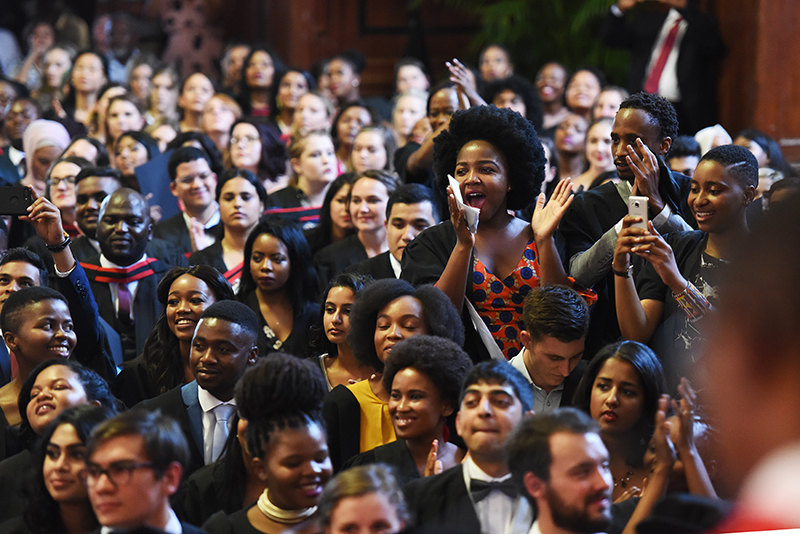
x: 643, y: 132
x: 690, y: 75
x: 556, y: 322
x: 134, y: 465
x: 123, y: 278
x: 224, y: 345
x: 193, y: 183
x: 478, y: 496
x: 544, y: 455
x: 411, y: 209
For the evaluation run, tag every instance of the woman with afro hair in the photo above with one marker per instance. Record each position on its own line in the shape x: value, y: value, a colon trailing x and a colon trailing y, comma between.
x: 498, y: 161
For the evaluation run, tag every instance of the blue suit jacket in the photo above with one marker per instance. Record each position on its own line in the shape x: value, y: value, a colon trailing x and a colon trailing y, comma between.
x: 5, y: 365
x: 92, y: 349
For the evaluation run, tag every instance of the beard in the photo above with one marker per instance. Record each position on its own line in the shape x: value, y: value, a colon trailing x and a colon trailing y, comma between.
x: 574, y: 519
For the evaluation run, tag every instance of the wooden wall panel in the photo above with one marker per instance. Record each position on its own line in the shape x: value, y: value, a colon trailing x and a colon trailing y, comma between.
x: 760, y: 86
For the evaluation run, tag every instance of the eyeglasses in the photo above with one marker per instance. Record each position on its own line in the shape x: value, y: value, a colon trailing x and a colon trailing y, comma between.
x: 118, y: 473
x: 55, y: 182
x: 189, y: 180
x: 247, y: 140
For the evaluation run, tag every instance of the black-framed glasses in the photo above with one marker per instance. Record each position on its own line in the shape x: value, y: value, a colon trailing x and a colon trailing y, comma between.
x: 55, y: 182
x: 118, y: 473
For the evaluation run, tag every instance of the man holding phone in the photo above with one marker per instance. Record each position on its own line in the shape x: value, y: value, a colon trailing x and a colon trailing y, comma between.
x: 641, y: 137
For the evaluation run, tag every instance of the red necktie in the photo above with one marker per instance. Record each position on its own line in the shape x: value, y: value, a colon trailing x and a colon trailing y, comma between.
x: 651, y: 85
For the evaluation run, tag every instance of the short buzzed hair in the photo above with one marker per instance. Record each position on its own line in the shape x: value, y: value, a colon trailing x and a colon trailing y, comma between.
x: 555, y: 311
x: 234, y: 312
x: 98, y: 172
x: 131, y: 193
x: 739, y: 163
x: 18, y: 302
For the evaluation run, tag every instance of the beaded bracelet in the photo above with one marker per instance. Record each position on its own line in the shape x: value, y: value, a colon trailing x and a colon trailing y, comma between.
x: 693, y: 303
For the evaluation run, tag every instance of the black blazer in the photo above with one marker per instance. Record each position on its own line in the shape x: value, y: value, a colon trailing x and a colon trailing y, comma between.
x: 187, y: 529
x: 443, y: 500
x: 378, y: 267
x: 395, y: 454
x: 336, y: 257
x: 593, y: 213
x: 181, y: 403
x: 146, y: 308
x: 175, y: 232
x: 699, y: 56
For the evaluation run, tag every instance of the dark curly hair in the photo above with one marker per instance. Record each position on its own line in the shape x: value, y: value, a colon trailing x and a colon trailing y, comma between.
x: 524, y: 89
x: 507, y: 131
x: 651, y: 375
x: 302, y: 282
x: 319, y: 341
x: 42, y: 513
x: 277, y: 392
x: 441, y: 360
x: 161, y: 353
x: 440, y: 317
x: 660, y: 109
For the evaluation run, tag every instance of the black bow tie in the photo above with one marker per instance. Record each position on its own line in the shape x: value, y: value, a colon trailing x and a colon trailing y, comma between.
x: 481, y: 489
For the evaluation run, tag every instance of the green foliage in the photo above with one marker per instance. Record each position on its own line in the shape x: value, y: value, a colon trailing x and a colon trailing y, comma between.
x: 538, y: 31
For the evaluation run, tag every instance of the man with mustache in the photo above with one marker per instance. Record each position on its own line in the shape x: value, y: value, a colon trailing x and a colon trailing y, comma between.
x: 641, y: 138
x: 558, y: 461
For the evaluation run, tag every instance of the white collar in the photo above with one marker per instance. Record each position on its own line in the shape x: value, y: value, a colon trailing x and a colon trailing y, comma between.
x: 395, y: 265
x: 212, y: 222
x: 208, y: 401
x: 108, y: 264
x: 173, y: 526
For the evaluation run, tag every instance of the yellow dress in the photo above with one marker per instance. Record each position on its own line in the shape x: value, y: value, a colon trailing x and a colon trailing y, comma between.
x: 376, y: 423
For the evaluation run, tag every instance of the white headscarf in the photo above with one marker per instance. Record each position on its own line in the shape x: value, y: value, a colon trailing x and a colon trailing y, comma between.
x: 711, y: 137
x: 41, y: 133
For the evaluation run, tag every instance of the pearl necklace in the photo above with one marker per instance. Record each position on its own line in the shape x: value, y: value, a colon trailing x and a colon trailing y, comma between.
x: 279, y: 515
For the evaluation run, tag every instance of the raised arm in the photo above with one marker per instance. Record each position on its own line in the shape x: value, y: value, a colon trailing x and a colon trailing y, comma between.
x: 74, y: 285
x: 544, y: 223
x: 697, y: 478
x: 658, y: 479
x: 638, y: 319
x: 453, y: 281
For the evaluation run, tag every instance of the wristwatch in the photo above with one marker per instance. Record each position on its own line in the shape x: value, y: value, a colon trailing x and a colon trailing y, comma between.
x: 61, y: 246
x: 627, y: 273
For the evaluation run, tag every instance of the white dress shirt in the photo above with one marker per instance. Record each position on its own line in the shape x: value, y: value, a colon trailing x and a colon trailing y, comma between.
x: 207, y: 403
x: 114, y: 288
x: 498, y: 513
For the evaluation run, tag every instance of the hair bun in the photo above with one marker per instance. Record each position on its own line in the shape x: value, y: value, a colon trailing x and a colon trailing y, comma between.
x: 280, y: 384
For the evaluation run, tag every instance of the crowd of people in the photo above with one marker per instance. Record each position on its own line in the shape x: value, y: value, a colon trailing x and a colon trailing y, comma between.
x: 256, y: 300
